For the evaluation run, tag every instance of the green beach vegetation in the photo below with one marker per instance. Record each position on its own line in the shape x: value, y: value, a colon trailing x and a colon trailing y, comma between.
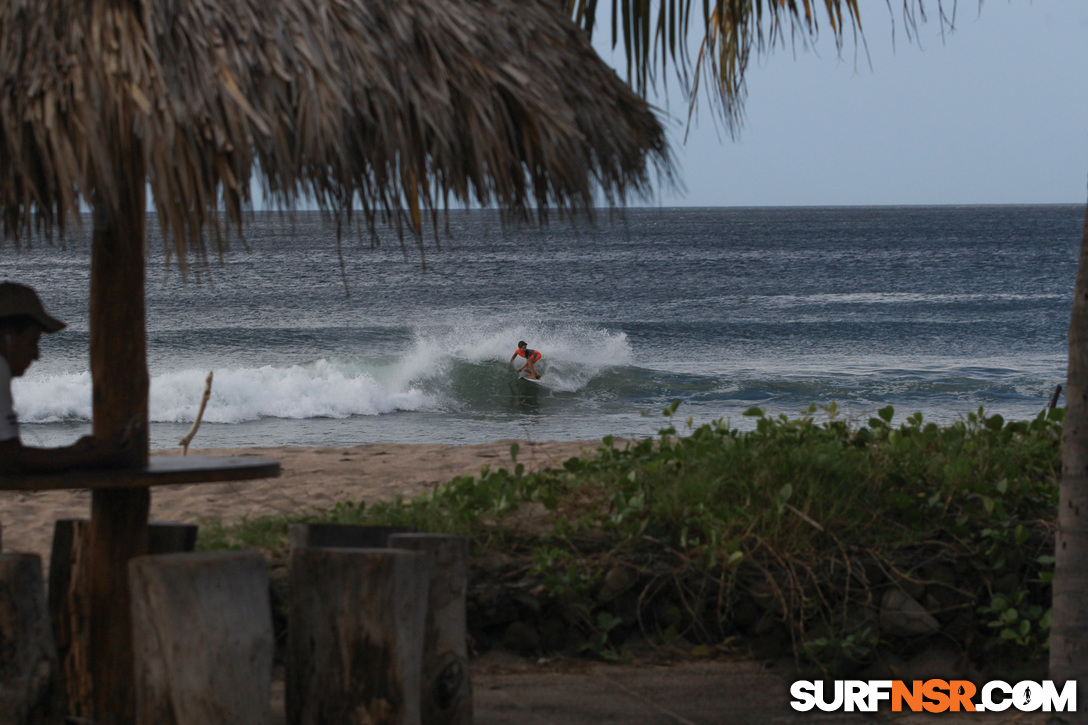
x: 836, y: 541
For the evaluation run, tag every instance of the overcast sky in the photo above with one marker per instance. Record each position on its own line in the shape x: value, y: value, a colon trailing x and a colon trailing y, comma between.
x: 997, y: 113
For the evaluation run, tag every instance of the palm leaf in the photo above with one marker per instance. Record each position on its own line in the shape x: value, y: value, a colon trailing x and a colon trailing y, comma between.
x: 655, y: 35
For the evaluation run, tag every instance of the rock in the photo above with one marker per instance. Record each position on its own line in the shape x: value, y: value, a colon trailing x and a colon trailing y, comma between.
x: 617, y: 581
x: 522, y: 639
x: 901, y: 614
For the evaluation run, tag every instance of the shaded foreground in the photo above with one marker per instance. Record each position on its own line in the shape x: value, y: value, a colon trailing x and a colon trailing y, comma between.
x: 842, y: 546
x: 686, y: 693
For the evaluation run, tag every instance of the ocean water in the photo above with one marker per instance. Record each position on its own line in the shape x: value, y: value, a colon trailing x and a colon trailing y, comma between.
x: 933, y: 309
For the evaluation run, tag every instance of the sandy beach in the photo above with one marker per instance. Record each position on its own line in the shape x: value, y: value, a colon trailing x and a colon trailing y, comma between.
x: 311, y: 478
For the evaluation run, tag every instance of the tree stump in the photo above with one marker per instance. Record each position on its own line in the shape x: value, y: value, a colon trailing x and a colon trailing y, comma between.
x: 447, y: 688
x: 69, y: 602
x: 202, y: 638
x: 31, y: 690
x: 342, y: 536
x: 355, y: 636
x: 69, y: 610
x: 170, y: 538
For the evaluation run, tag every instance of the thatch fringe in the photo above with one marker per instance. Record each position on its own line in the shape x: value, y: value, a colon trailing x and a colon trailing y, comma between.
x: 391, y: 106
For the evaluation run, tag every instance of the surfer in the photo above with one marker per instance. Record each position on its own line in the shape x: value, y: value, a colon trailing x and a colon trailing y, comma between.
x: 532, y: 357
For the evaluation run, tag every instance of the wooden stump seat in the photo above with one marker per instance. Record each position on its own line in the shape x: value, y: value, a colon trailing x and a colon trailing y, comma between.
x: 439, y: 659
x: 355, y: 636
x: 202, y: 638
x: 31, y: 688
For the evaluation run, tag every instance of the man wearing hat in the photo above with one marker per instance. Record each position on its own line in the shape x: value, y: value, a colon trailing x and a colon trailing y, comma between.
x: 22, y: 322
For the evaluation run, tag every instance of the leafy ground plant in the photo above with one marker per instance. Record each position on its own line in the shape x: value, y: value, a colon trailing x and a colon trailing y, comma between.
x: 830, y: 538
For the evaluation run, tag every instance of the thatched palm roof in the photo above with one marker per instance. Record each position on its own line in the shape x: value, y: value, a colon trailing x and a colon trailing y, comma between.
x: 383, y: 104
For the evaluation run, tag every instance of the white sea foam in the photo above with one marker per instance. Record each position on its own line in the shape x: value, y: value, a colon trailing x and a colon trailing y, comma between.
x: 572, y: 354
x: 53, y: 398
x: 345, y: 387
x: 322, y: 389
x: 497, y: 338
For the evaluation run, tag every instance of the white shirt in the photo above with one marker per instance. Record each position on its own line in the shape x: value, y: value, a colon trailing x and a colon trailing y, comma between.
x: 9, y: 423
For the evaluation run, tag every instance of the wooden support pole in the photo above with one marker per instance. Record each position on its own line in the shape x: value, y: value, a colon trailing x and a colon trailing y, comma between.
x: 447, y: 688
x: 202, y: 638
x: 355, y: 636
x: 69, y: 604
x: 118, y: 325
x: 120, y: 382
x: 31, y: 691
x: 118, y: 535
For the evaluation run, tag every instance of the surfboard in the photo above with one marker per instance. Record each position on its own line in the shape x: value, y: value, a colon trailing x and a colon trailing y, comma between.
x: 530, y: 380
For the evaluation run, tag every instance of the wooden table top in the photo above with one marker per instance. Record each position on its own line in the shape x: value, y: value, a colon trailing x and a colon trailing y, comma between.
x: 160, y: 471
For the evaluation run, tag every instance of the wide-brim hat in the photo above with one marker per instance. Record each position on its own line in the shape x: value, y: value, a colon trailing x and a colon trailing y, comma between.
x: 18, y: 300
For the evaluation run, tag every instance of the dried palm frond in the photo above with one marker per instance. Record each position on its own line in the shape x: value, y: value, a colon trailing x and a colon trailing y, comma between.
x: 392, y: 106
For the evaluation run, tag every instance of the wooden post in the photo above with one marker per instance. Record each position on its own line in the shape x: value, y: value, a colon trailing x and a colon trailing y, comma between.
x: 355, y: 636
x: 118, y: 534
x: 31, y: 691
x: 69, y: 607
x: 202, y: 638
x: 342, y: 536
x: 120, y: 382
x: 447, y: 689
x: 118, y: 326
